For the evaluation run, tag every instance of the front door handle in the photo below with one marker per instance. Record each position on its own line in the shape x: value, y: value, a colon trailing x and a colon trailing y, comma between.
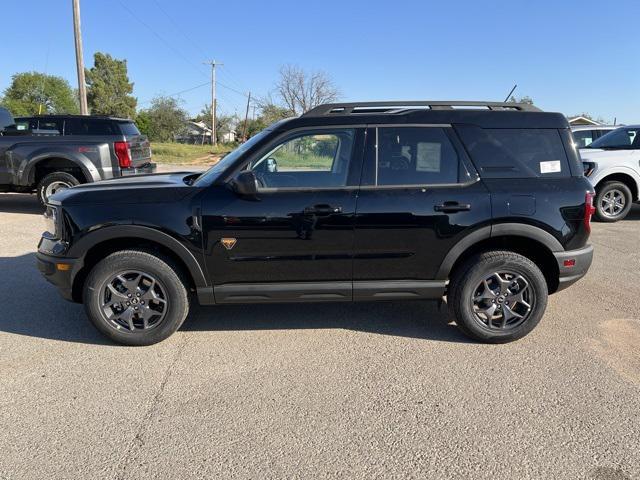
x: 452, y: 207
x: 322, y: 209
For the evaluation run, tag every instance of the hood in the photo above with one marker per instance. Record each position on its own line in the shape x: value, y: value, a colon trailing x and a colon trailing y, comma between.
x: 158, y: 188
x: 598, y: 154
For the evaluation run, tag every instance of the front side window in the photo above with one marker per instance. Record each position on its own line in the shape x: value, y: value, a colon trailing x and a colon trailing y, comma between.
x: 318, y: 159
x: 415, y: 156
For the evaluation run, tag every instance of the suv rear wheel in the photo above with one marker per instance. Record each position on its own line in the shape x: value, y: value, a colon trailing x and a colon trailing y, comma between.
x: 136, y: 297
x: 497, y: 296
x: 54, y: 182
x: 613, y: 201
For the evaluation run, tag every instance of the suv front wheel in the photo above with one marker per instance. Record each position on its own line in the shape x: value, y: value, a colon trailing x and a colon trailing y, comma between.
x: 136, y: 297
x: 497, y: 296
x: 613, y: 201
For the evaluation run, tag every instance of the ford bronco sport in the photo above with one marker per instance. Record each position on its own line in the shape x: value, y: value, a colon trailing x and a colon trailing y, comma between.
x: 483, y: 203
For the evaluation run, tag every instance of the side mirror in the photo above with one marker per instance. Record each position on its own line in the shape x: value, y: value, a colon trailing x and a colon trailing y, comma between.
x: 245, y: 184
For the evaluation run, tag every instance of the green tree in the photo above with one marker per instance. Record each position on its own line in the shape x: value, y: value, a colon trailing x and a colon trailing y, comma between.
x: 109, y: 90
x: 271, y: 113
x: 526, y: 99
x: 143, y: 122
x: 31, y: 93
x: 163, y: 120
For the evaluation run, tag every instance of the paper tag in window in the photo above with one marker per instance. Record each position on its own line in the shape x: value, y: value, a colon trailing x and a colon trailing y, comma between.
x: 552, y: 166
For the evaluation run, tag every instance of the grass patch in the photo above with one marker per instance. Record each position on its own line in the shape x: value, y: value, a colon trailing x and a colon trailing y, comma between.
x: 302, y: 160
x: 180, y: 153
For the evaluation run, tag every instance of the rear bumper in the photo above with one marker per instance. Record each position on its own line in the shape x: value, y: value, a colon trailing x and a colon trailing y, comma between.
x: 58, y: 271
x: 143, y: 170
x: 573, y: 265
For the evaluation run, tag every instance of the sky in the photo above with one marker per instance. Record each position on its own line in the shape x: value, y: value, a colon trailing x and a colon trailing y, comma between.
x: 570, y: 56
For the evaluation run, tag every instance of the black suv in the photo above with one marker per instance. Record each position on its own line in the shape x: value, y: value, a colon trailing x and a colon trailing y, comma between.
x: 482, y: 203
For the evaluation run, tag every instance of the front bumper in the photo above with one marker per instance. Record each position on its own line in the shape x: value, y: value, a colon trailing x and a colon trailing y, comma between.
x: 143, y: 170
x: 59, y: 271
x: 573, y: 265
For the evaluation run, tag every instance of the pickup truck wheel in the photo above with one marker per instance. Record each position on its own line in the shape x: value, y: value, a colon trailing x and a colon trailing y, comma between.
x: 54, y: 182
x: 497, y: 297
x: 136, y: 297
x: 613, y: 202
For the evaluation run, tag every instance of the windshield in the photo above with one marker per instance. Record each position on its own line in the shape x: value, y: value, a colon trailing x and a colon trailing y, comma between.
x: 620, y: 138
x: 214, y: 172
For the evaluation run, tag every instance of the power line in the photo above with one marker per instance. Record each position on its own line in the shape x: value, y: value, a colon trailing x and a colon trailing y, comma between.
x: 168, y: 44
x: 179, y: 29
x: 180, y: 92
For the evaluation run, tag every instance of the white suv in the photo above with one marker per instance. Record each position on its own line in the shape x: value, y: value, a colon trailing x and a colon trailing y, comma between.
x: 612, y: 164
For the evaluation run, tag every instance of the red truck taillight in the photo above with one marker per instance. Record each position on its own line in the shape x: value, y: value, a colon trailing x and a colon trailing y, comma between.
x: 589, y: 210
x: 122, y: 152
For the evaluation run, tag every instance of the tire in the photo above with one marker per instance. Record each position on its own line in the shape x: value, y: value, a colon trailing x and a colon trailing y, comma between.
x: 608, y: 192
x: 160, y: 293
x: 470, y: 312
x: 54, y: 182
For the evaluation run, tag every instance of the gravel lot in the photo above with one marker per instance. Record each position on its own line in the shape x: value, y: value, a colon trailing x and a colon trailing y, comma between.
x: 317, y: 391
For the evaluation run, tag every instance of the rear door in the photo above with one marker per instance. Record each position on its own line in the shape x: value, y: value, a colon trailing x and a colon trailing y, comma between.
x: 419, y: 196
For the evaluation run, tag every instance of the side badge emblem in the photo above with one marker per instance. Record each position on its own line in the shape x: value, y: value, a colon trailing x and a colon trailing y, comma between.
x: 228, y: 243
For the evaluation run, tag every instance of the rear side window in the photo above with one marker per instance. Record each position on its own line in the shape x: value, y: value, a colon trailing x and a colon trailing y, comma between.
x: 414, y: 156
x: 516, y: 152
x: 128, y: 128
x: 583, y: 138
x: 81, y: 126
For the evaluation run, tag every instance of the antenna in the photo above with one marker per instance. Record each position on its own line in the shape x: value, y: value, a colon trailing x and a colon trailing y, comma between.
x: 511, y: 92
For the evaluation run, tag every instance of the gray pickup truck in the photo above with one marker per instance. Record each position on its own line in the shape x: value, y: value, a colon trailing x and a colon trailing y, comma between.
x: 48, y: 153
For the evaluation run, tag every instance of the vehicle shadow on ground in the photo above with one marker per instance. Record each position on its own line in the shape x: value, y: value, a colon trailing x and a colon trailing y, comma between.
x: 634, y: 213
x: 20, y: 203
x: 32, y: 307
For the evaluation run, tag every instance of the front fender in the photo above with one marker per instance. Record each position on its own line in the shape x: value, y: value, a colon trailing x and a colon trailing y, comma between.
x: 114, y: 232
x: 603, y: 172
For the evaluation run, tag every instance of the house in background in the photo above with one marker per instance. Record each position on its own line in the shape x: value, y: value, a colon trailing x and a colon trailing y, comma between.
x: 582, y: 121
x: 199, y: 133
x: 195, y: 133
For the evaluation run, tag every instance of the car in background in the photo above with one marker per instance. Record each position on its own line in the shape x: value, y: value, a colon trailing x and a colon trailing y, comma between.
x: 585, y: 134
x: 612, y: 165
x: 49, y: 153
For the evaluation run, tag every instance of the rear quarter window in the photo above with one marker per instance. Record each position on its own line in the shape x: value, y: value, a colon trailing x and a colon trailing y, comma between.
x: 128, y: 128
x: 516, y: 152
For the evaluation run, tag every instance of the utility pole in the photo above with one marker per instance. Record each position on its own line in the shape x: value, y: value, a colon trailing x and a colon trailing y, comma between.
x: 213, y: 64
x: 82, y: 91
x: 246, y: 117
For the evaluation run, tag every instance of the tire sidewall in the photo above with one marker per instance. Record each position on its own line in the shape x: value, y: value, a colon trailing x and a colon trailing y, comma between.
x: 600, y: 216
x: 177, y: 298
x: 477, y: 273
x: 54, y: 177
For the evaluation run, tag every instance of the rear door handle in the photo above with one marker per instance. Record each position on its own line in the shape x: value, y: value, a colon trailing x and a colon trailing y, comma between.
x: 322, y: 209
x: 451, y: 207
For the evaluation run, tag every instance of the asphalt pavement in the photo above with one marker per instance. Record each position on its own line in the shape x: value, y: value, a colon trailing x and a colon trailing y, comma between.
x: 374, y: 390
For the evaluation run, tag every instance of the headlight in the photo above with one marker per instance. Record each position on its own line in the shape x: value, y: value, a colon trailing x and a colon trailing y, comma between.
x: 588, y: 167
x: 51, y: 222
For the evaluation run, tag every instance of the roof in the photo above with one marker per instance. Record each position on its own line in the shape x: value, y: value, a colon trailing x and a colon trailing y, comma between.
x: 580, y: 120
x: 56, y: 116
x: 482, y: 114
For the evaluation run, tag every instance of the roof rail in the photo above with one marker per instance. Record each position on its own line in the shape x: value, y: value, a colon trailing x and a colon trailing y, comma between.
x: 400, y: 106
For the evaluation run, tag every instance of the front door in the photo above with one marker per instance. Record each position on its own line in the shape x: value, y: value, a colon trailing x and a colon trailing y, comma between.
x: 419, y: 197
x: 294, y: 241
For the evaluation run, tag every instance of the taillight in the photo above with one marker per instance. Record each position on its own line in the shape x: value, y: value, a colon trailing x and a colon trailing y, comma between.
x: 589, y: 210
x: 122, y: 152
